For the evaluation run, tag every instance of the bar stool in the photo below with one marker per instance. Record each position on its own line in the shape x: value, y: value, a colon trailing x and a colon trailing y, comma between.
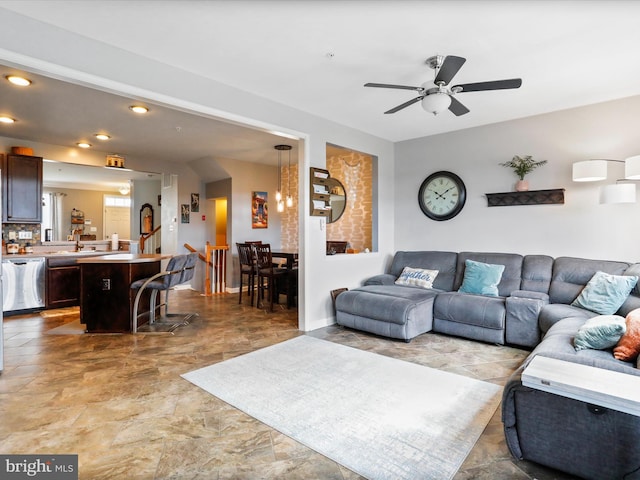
x: 179, y: 270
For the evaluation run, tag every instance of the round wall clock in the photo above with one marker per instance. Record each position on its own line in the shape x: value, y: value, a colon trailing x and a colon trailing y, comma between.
x: 442, y: 195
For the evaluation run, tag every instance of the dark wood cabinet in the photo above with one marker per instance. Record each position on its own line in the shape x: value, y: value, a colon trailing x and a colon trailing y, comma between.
x: 21, y: 189
x: 106, y: 297
x: 63, y: 284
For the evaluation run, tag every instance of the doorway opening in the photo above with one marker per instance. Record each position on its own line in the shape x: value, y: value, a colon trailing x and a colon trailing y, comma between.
x: 117, y: 216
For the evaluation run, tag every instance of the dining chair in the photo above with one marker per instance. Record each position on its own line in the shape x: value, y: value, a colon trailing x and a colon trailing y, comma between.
x: 266, y: 272
x: 248, y: 268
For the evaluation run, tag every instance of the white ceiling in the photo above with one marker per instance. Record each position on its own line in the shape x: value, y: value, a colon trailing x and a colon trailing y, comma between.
x: 316, y: 56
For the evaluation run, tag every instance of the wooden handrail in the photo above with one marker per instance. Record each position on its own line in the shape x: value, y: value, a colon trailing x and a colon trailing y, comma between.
x: 145, y: 236
x: 200, y: 256
x: 216, y: 261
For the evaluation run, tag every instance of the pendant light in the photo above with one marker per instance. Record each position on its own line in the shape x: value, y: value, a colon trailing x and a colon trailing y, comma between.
x: 279, y: 201
x: 289, y: 197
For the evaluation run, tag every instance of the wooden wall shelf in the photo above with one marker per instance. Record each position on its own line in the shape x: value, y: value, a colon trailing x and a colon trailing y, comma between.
x: 532, y: 197
x: 320, y: 195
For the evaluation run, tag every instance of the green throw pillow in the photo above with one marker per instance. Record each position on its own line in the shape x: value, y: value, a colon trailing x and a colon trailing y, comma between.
x: 481, y: 278
x: 600, y: 333
x: 605, y: 294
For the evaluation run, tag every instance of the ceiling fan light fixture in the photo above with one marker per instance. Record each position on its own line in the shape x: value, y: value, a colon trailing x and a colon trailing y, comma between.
x: 436, y: 102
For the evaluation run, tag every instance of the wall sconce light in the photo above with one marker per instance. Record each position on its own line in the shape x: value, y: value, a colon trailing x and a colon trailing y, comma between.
x: 632, y: 168
x: 590, y: 171
x: 596, y: 170
x: 618, y: 193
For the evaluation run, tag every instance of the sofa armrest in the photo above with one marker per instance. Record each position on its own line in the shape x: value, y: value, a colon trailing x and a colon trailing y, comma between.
x: 382, y: 279
x: 509, y: 412
x: 523, y: 308
x: 531, y: 295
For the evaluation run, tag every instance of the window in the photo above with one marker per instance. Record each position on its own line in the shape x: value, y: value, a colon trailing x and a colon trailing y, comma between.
x: 117, y: 201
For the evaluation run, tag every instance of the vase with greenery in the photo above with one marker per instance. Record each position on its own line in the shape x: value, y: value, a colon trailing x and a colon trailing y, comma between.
x: 522, y: 166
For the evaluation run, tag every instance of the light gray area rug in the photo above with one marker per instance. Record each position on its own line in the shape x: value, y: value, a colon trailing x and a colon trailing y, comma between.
x: 380, y: 417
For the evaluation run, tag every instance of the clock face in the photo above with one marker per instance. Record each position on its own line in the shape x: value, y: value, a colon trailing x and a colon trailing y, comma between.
x: 442, y: 195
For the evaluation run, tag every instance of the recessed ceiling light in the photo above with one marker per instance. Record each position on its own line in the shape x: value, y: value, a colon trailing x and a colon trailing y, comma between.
x: 102, y: 136
x: 20, y: 81
x: 5, y: 119
x: 138, y: 109
x: 83, y: 145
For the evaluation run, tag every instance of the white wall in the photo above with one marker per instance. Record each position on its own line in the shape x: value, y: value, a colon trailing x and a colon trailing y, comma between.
x: 581, y: 227
x: 72, y: 57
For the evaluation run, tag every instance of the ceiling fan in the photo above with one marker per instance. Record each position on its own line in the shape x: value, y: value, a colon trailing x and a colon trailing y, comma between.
x: 438, y: 96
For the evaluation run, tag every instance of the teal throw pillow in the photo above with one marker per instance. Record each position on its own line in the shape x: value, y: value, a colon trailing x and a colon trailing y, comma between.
x: 481, y: 278
x: 605, y: 294
x: 600, y: 333
x: 417, y: 277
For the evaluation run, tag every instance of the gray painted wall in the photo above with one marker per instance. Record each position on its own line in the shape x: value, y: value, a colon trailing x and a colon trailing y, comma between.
x: 580, y: 227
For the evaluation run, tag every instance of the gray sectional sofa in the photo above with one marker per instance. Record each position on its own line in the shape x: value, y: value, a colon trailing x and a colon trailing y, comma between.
x: 533, y: 310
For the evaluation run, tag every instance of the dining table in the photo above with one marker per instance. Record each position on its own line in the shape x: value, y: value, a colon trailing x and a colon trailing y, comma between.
x: 289, y: 284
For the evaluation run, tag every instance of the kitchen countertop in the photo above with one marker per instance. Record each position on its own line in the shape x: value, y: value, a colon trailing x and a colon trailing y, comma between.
x: 125, y: 258
x: 56, y: 254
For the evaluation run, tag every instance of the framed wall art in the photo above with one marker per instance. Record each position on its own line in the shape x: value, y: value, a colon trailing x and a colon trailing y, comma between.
x: 195, y: 202
x: 259, y: 210
x: 184, y: 213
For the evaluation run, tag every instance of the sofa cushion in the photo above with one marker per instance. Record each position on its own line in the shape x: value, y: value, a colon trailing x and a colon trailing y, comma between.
x: 536, y: 273
x: 511, y: 277
x: 628, y: 348
x: 605, y: 294
x: 444, y: 262
x: 570, y: 275
x: 600, y: 332
x: 554, y: 312
x: 417, y: 277
x: 558, y: 343
x: 480, y: 311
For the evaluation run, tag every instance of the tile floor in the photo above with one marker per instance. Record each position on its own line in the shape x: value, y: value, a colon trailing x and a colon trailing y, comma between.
x: 118, y: 401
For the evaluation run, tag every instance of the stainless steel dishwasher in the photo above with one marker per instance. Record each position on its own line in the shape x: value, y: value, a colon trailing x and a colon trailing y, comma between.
x: 22, y: 283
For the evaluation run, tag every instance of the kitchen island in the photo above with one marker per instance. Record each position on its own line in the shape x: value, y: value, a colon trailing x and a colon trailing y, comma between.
x: 106, y: 297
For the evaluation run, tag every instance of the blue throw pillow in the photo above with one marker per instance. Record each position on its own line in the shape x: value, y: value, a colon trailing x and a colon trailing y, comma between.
x: 599, y: 333
x: 481, y: 278
x: 605, y: 294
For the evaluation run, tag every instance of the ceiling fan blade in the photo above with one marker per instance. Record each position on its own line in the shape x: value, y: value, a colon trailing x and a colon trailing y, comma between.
x: 449, y: 68
x: 495, y: 85
x: 386, y: 85
x: 404, y: 105
x: 457, y: 108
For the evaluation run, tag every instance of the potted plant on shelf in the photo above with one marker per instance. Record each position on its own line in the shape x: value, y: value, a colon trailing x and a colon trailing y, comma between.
x: 522, y: 166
